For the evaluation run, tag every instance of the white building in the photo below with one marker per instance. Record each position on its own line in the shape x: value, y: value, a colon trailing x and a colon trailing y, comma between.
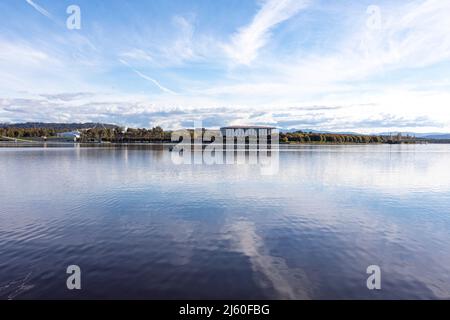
x: 72, y: 135
x: 246, y: 131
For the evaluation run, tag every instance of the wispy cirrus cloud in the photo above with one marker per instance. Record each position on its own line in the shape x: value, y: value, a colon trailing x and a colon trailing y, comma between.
x: 40, y: 9
x: 145, y: 77
x: 246, y: 43
x: 156, y: 83
x: 138, y: 55
x: 177, y: 48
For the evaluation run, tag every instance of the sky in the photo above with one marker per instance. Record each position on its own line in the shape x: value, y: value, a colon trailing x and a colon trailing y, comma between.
x: 349, y: 66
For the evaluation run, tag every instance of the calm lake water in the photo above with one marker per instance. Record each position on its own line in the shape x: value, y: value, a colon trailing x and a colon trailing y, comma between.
x: 140, y: 226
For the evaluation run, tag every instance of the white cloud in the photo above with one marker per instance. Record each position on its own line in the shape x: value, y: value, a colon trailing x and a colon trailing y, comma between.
x: 26, y: 66
x: 174, y: 49
x: 183, y: 47
x: 250, y: 39
x: 414, y: 35
x: 21, y: 54
x: 137, y: 54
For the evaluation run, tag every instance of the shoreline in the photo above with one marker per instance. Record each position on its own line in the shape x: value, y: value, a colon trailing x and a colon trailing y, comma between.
x: 28, y: 144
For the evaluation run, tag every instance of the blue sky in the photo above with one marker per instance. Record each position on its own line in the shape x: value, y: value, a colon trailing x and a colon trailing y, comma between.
x: 364, y: 66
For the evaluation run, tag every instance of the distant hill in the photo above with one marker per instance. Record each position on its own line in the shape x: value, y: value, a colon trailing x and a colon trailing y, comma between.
x: 303, y: 130
x: 437, y: 136
x: 57, y: 126
x: 317, y: 131
x: 430, y: 136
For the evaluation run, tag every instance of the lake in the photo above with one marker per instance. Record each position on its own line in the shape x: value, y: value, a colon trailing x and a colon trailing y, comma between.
x: 140, y: 226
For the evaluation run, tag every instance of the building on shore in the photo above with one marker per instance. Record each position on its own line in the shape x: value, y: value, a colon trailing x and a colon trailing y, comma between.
x: 247, y: 131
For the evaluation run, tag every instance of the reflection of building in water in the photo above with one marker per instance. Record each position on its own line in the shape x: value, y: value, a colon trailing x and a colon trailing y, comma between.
x: 246, y: 131
x: 232, y: 145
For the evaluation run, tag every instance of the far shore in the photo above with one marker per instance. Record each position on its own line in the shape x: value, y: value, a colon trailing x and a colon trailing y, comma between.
x: 35, y: 143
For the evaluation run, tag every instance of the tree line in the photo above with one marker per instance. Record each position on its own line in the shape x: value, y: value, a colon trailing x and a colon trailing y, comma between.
x: 130, y: 135
x: 96, y: 134
x: 14, y: 132
x: 157, y: 134
x: 303, y: 137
